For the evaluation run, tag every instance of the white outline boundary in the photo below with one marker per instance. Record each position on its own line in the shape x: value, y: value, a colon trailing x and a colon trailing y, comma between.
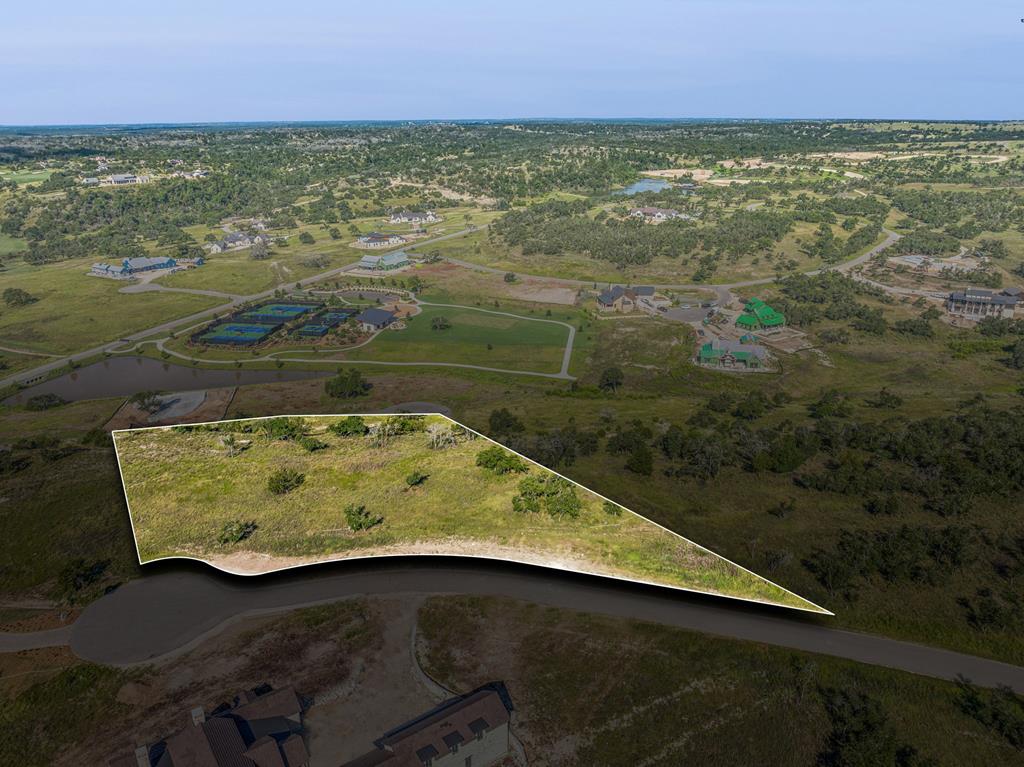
x: 818, y: 611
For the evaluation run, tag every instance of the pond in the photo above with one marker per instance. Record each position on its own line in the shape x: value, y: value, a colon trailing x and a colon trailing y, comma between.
x: 645, y: 185
x: 124, y: 376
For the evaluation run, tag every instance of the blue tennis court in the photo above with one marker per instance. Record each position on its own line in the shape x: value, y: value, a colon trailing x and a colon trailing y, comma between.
x: 277, y: 312
x: 238, y: 333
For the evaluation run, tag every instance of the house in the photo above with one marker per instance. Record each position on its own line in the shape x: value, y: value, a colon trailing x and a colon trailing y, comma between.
x: 385, y: 263
x: 651, y: 215
x: 471, y: 730
x: 414, y: 217
x: 732, y: 354
x: 90, y: 181
x: 379, y: 240
x: 237, y: 241
x: 757, y: 315
x: 131, y: 266
x: 120, y: 179
x: 975, y: 304
x: 620, y: 299
x: 262, y: 728
x: 375, y: 319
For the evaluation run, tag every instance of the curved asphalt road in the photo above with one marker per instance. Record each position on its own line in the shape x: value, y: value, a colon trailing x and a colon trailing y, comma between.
x: 175, y: 608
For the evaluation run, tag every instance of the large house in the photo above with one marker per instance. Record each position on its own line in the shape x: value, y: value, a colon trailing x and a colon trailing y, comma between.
x: 379, y: 240
x: 131, y: 266
x: 977, y: 304
x: 414, y: 217
x: 732, y: 354
x: 236, y: 241
x: 651, y: 215
x: 471, y: 730
x: 620, y: 299
x: 263, y: 728
x: 384, y: 263
x: 375, y: 319
x: 757, y: 315
x: 121, y: 179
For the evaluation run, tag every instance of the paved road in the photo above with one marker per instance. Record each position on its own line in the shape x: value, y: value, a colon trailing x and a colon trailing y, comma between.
x: 176, y: 607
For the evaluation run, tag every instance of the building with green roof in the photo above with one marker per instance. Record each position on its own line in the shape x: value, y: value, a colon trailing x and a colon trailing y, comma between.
x: 757, y: 315
x: 730, y: 354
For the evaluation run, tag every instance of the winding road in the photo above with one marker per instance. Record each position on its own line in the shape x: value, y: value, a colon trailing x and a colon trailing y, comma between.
x: 175, y: 608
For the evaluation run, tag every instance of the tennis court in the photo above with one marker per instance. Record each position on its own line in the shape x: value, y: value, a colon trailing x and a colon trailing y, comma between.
x: 277, y: 312
x: 239, y: 333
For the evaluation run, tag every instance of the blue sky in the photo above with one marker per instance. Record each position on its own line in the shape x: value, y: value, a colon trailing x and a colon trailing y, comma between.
x: 184, y: 61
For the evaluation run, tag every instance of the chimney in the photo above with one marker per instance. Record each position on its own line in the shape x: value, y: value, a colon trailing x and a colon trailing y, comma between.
x: 198, y: 716
x: 142, y: 756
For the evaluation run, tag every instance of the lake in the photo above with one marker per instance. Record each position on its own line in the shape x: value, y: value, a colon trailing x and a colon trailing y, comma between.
x: 645, y: 185
x: 124, y: 376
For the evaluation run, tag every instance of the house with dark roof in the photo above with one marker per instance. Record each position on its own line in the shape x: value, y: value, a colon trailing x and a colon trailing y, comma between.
x: 976, y: 304
x: 621, y: 299
x: 375, y: 319
x: 261, y: 728
x: 131, y: 266
x: 471, y: 730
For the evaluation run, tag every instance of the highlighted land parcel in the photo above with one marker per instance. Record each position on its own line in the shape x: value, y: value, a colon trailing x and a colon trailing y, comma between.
x: 256, y: 495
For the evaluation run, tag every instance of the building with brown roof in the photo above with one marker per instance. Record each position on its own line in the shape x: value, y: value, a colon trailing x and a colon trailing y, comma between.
x: 261, y: 728
x: 471, y: 730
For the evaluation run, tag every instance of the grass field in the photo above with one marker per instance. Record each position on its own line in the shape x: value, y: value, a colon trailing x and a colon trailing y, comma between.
x: 11, y: 245
x: 74, y: 310
x: 25, y: 176
x: 183, y: 489
x: 517, y: 344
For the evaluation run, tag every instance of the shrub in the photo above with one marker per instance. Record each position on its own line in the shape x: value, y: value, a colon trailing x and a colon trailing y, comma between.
x: 359, y: 518
x: 415, y: 478
x: 549, y: 493
x: 612, y: 509
x: 312, y: 444
x: 237, y: 531
x: 501, y: 461
x: 44, y: 402
x: 440, y: 323
x: 353, y: 426
x: 346, y: 385
x: 284, y: 481
x: 284, y: 428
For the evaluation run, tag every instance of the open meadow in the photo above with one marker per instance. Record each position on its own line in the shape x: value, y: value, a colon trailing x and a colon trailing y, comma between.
x: 379, y: 486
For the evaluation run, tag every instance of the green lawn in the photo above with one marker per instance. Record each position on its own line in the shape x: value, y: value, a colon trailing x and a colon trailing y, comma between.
x: 517, y: 344
x: 25, y: 176
x: 75, y: 311
x: 10, y: 245
x: 183, y: 488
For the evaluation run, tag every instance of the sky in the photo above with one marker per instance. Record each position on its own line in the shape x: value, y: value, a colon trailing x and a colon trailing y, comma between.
x: 64, y: 62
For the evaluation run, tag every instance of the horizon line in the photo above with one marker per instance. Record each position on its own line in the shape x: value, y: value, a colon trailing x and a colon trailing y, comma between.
x: 497, y: 120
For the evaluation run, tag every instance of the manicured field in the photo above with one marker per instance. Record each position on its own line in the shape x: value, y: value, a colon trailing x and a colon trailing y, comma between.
x: 516, y: 343
x: 25, y: 176
x: 74, y: 310
x: 184, y: 487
